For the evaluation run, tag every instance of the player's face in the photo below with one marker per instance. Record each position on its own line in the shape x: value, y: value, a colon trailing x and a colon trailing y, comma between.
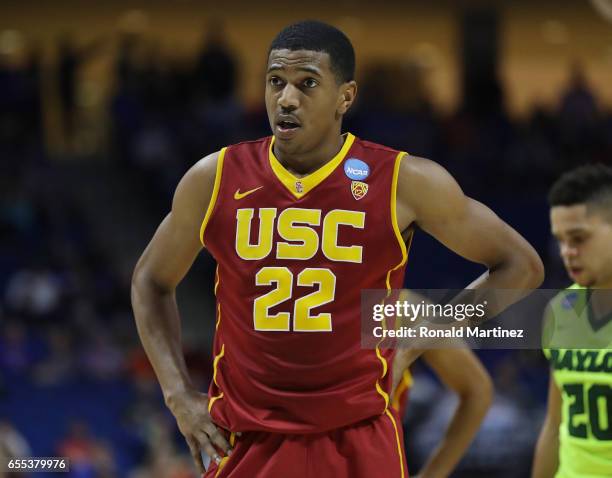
x: 585, y: 240
x: 304, y: 101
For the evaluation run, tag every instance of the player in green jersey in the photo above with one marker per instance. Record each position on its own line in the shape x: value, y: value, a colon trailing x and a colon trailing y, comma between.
x: 576, y: 439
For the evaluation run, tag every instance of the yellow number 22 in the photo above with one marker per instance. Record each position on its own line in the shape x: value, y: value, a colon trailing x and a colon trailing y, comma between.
x: 303, y: 321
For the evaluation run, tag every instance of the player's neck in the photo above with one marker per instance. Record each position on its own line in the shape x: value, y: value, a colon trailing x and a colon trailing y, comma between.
x: 306, y: 163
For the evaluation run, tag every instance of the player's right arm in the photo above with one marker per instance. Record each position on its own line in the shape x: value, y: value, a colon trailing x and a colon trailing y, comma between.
x: 164, y: 263
x: 546, y: 459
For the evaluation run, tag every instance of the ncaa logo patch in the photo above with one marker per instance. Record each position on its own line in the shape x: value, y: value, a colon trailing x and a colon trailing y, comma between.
x: 356, y: 169
x: 359, y: 189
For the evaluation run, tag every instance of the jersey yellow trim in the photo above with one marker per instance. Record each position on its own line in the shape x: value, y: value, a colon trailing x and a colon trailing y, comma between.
x: 407, y: 378
x: 385, y: 367
x: 215, y: 193
x: 218, y: 316
x: 215, y: 368
x: 312, y: 180
x: 221, y: 464
x: 384, y: 395
x: 398, y: 233
x: 404, y: 384
x: 405, y: 248
x: 216, y: 279
x: 384, y: 362
x: 400, y: 452
x: 213, y: 400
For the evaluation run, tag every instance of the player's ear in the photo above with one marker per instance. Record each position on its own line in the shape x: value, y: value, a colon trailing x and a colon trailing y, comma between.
x: 348, y: 91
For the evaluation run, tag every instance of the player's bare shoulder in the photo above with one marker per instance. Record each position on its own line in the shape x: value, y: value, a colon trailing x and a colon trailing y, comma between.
x: 191, y: 200
x: 195, y: 189
x: 421, y: 176
x: 176, y: 243
x: 424, y: 187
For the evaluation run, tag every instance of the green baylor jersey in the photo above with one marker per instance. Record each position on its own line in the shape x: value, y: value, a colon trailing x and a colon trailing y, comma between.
x: 579, y: 349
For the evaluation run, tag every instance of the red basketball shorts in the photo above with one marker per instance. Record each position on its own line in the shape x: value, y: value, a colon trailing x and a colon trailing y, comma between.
x: 369, y: 449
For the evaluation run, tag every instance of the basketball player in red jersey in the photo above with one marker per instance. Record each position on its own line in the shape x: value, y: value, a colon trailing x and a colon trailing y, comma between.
x: 299, y: 223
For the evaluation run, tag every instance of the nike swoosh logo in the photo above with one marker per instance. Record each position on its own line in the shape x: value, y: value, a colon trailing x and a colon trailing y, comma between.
x: 238, y: 195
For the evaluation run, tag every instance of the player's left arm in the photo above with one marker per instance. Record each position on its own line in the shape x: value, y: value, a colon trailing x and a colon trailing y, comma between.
x: 429, y: 196
x: 461, y: 371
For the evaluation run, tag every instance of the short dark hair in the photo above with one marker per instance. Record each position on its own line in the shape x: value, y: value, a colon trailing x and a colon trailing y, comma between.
x: 590, y: 185
x: 318, y: 36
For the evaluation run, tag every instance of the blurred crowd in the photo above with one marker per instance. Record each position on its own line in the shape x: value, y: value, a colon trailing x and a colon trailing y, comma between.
x: 74, y: 380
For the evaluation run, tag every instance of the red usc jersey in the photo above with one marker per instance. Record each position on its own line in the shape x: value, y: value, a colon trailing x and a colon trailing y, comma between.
x: 293, y: 255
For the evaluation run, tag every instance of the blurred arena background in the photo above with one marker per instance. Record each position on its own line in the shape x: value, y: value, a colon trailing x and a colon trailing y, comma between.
x: 104, y: 105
